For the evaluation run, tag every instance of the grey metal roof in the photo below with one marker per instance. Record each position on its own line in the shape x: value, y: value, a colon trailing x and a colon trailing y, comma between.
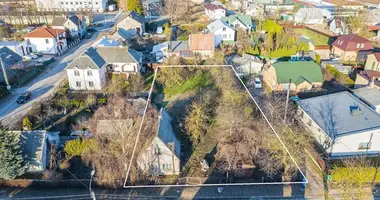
x: 237, y: 59
x: 32, y: 144
x: 74, y: 19
x: 310, y: 13
x: 119, y: 54
x: 333, y: 114
x: 9, y: 43
x: 9, y: 57
x: 370, y: 95
x: 134, y: 15
x: 58, y: 21
x: 178, y: 46
x: 216, y: 25
x: 90, y: 58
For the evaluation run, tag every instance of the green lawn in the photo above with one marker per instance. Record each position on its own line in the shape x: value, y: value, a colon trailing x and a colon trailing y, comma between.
x: 194, y: 83
x: 318, y: 38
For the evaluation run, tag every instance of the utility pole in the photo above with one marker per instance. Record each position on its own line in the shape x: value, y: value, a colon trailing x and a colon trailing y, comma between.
x: 5, y: 74
x: 287, y: 99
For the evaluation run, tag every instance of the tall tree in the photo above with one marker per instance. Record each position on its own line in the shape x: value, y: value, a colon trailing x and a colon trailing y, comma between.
x: 11, y: 160
x: 135, y: 5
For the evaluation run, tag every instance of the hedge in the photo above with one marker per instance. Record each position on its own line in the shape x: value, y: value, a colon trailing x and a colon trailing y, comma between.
x: 339, y: 76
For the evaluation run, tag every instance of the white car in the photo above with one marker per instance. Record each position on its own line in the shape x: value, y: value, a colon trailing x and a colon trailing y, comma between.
x: 30, y: 57
x: 258, y: 83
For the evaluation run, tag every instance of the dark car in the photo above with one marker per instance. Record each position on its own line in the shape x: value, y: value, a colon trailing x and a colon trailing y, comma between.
x: 23, y: 98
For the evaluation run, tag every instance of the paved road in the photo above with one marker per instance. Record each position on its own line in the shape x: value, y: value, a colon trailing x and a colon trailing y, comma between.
x: 41, y: 86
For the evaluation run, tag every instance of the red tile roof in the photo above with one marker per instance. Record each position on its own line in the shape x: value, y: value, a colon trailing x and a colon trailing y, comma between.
x: 349, y: 43
x: 211, y: 6
x: 377, y: 56
x: 44, y: 32
x: 373, y: 28
x: 201, y: 42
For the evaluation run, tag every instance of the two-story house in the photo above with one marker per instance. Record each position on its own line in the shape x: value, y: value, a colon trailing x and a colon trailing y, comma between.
x: 351, y: 48
x: 74, y: 24
x: 202, y: 44
x: 373, y: 62
x: 46, y: 40
x: 87, y: 72
x: 121, y: 59
x: 240, y: 21
x: 223, y: 33
x: 131, y: 24
x: 215, y: 11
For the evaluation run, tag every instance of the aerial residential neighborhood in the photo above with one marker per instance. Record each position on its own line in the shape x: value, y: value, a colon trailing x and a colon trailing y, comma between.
x: 166, y: 99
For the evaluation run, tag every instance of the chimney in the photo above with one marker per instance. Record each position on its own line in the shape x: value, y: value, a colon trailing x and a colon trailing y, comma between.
x: 372, y: 83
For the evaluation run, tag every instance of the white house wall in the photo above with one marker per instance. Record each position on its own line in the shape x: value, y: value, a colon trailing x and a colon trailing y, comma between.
x: 218, y: 35
x: 40, y: 45
x: 98, y: 78
x: 125, y: 67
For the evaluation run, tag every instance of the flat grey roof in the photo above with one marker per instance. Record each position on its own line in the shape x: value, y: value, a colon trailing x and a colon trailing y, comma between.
x: 370, y: 95
x: 333, y: 114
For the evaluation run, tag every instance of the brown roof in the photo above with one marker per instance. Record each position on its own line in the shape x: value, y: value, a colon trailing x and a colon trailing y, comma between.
x: 371, y: 1
x: 371, y: 75
x: 44, y: 32
x: 349, y: 42
x: 211, y: 6
x: 377, y: 56
x: 201, y: 42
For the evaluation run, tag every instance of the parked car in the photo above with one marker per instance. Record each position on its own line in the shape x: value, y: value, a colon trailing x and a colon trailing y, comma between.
x: 258, y: 83
x: 23, y: 98
x: 38, y: 54
x: 30, y: 57
x: 88, y: 36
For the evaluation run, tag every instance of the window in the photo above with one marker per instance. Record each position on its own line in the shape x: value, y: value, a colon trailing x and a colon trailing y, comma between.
x: 230, y: 36
x: 76, y: 73
x: 362, y: 45
x: 62, y: 3
x: 67, y: 3
x: 224, y: 28
x: 358, y: 45
x: 89, y: 73
x: 78, y: 84
x: 96, y: 3
x: 80, y: 3
x: 373, y: 65
x: 76, y: 2
x: 309, y: 123
x: 364, y: 145
x: 163, y: 166
x: 91, y: 83
x: 47, y: 41
x: 157, y: 150
x: 224, y: 36
x: 71, y: 3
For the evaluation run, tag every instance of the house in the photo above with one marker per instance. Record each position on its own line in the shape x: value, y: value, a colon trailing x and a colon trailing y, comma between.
x: 162, y: 157
x: 341, y: 124
x: 246, y: 64
x: 34, y: 146
x: 215, y: 11
x: 131, y: 24
x: 338, y: 26
x: 309, y: 16
x: 306, y: 41
x: 171, y: 48
x: 223, y: 33
x: 11, y: 60
x: 239, y: 21
x: 87, y: 72
x: 255, y: 11
x: 373, y: 62
x: 106, y: 42
x: 202, y: 44
x: 121, y: 59
x: 370, y: 96
x: 18, y: 47
x: 351, y: 47
x: 46, y: 40
x: 302, y: 75
x: 74, y: 24
x: 71, y: 5
x: 367, y: 78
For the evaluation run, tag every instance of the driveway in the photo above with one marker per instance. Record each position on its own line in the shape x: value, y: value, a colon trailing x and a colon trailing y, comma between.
x: 41, y: 87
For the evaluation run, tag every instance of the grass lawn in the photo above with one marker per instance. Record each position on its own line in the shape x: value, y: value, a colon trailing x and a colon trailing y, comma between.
x: 318, y: 38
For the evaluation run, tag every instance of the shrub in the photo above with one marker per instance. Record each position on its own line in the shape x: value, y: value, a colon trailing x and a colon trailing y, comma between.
x: 26, y: 123
x: 339, y: 76
x: 78, y: 146
x: 317, y: 59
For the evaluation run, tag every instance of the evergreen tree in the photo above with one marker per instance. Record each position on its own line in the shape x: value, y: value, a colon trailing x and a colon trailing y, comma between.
x: 11, y: 160
x: 135, y: 5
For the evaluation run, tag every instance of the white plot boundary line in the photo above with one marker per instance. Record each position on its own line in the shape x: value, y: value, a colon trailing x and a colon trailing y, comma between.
x: 205, y: 185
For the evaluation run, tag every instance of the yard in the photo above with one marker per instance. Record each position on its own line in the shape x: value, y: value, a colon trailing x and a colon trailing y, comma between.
x: 316, y: 37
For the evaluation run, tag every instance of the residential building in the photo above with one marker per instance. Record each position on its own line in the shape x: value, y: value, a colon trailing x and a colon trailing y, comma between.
x: 373, y: 62
x: 171, y: 48
x: 74, y: 24
x: 121, y: 59
x: 72, y: 5
x: 271, y: 8
x: 351, y: 47
x: 309, y: 16
x: 256, y: 11
x: 87, y: 72
x: 11, y: 60
x: 18, y: 47
x: 342, y: 125
x: 131, y: 24
x: 240, y: 21
x: 46, y: 40
x: 367, y: 78
x: 338, y: 26
x: 215, y: 11
x: 223, y: 33
x: 246, y: 64
x: 162, y: 157
x: 202, y: 44
x: 302, y: 75
x: 370, y: 96
x: 34, y: 146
